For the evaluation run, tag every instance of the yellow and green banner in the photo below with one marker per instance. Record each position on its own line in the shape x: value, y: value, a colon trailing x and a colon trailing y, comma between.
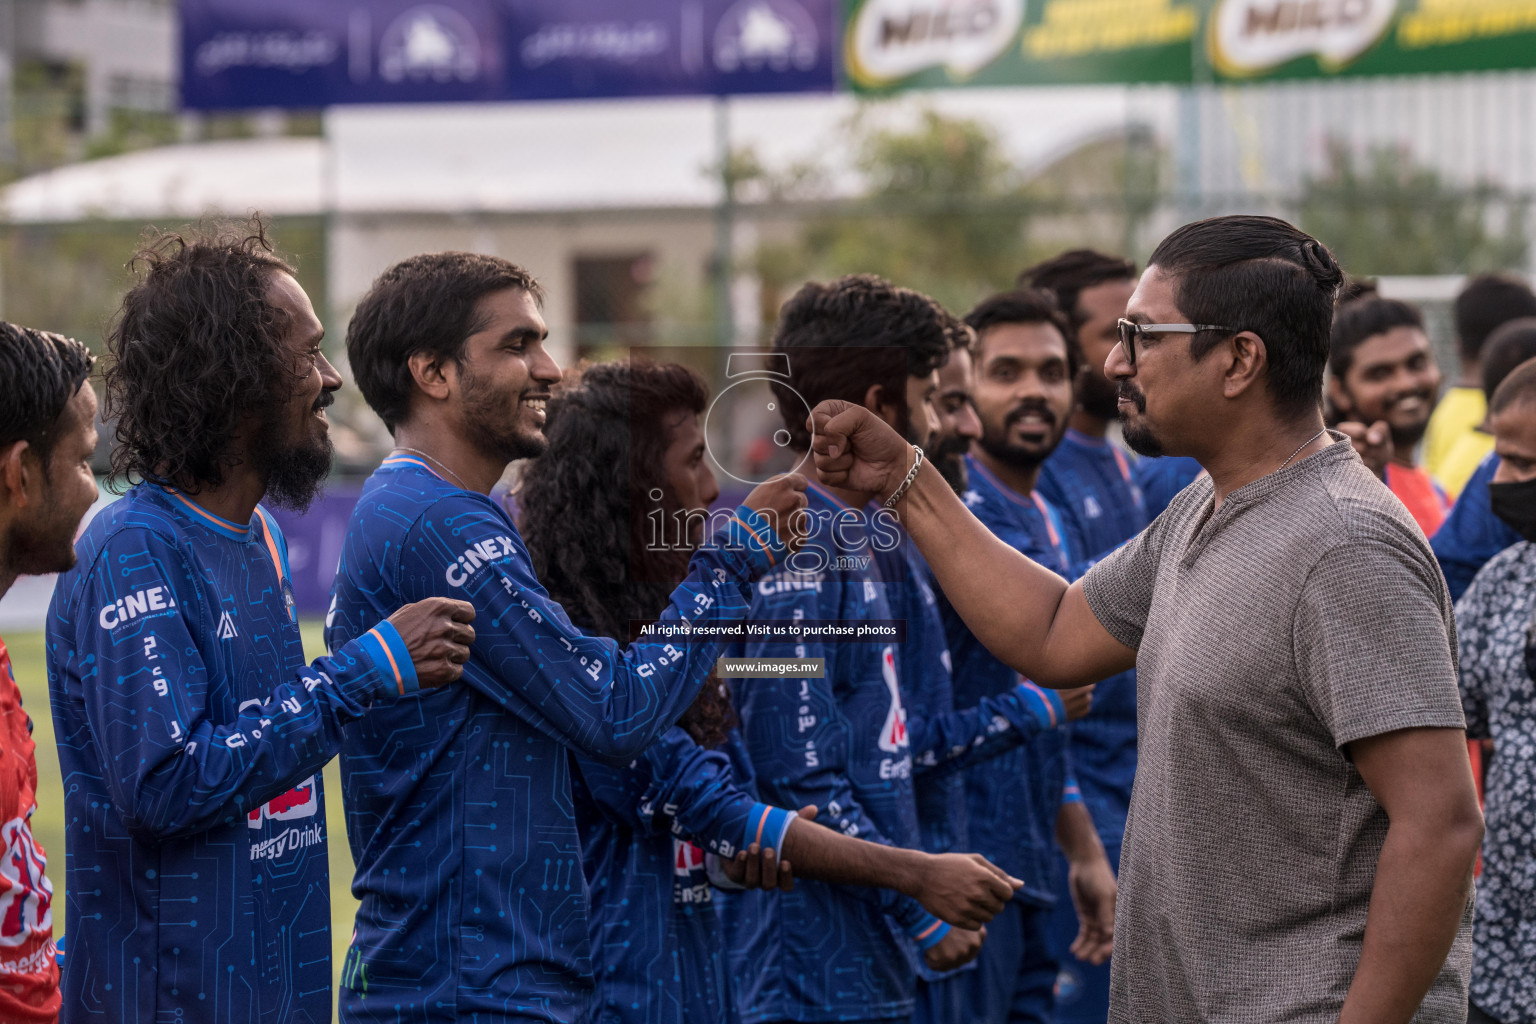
x: 903, y: 44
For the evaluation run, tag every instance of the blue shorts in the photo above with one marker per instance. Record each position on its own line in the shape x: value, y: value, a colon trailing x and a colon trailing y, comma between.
x: 1015, y: 977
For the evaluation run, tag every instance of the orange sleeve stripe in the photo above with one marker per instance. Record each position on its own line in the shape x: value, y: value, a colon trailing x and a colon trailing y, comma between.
x: 399, y: 680
x: 929, y: 930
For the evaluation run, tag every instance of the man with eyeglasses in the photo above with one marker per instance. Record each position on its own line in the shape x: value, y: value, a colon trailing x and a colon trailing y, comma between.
x: 1304, y: 824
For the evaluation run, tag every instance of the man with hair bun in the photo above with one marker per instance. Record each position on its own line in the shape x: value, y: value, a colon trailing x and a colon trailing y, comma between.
x: 47, y: 437
x: 1304, y: 822
x: 191, y: 732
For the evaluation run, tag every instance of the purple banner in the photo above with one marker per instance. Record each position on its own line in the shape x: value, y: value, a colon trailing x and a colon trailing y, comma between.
x: 304, y: 53
x: 314, y: 544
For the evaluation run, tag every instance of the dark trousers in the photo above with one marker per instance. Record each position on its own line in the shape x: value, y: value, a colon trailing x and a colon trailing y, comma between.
x: 1477, y: 1016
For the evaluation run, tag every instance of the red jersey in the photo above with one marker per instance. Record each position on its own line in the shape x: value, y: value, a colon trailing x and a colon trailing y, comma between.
x: 1417, y: 490
x: 29, y: 972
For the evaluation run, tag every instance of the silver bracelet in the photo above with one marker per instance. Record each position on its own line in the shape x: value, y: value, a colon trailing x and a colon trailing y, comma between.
x: 917, y: 464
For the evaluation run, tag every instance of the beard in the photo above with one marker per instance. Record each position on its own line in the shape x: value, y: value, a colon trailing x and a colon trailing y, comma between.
x: 1138, y: 436
x: 997, y: 445
x: 294, y: 468
x: 43, y: 542
x: 1098, y: 396
x: 491, y: 428
x: 949, y: 458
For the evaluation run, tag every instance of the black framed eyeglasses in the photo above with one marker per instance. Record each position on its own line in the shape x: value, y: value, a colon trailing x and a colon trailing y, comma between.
x: 1131, y: 331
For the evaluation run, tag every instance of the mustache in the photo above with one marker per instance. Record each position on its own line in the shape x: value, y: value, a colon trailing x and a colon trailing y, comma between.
x: 1035, y: 406
x: 325, y: 401
x: 1126, y: 392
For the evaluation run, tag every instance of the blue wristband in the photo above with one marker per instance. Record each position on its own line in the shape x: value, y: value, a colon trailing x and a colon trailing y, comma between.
x: 388, y: 651
x: 766, y: 826
x: 928, y: 932
x: 1045, y: 704
x: 750, y: 531
x: 1071, y: 792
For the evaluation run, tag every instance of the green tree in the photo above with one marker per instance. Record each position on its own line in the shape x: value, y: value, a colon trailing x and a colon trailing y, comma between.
x: 943, y: 210
x: 1386, y: 214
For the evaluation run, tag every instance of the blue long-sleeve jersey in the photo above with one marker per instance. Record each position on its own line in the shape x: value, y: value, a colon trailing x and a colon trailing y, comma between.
x: 846, y: 743
x: 473, y: 901
x: 1162, y: 478
x: 1471, y: 535
x: 658, y: 947
x: 1014, y: 801
x: 1092, y: 484
x: 191, y: 736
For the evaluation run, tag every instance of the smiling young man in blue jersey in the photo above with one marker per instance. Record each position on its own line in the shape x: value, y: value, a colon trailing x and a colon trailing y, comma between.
x: 844, y: 741
x: 473, y: 904
x: 626, y: 452
x: 1090, y: 481
x: 928, y: 678
x: 191, y: 732
x: 1026, y: 364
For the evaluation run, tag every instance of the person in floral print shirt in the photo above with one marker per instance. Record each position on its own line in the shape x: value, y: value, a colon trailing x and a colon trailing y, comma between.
x: 47, y: 437
x: 1498, y: 692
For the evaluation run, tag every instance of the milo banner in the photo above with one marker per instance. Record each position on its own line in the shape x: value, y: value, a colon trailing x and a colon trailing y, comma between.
x: 902, y: 44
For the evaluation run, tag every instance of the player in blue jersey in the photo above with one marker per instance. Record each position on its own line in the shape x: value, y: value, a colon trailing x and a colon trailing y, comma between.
x: 1026, y: 364
x: 473, y: 902
x: 191, y: 732
x: 928, y: 682
x: 844, y: 740
x: 47, y: 438
x: 626, y: 453
x: 1091, y: 482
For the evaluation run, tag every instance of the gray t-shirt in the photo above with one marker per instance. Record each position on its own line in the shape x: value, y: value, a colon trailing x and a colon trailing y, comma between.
x: 1307, y: 613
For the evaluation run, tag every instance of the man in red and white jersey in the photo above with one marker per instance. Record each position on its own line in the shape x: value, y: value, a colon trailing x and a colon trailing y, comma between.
x: 47, y: 437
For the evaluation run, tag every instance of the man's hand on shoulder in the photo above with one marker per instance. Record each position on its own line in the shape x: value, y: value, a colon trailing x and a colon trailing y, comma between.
x: 438, y: 633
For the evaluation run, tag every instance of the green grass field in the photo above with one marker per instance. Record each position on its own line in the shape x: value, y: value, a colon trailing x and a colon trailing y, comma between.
x: 48, y: 824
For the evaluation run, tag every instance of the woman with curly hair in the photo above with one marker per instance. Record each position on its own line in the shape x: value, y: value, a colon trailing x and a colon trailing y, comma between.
x: 611, y: 514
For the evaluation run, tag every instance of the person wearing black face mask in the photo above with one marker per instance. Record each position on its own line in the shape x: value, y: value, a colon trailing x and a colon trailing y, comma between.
x: 1494, y: 623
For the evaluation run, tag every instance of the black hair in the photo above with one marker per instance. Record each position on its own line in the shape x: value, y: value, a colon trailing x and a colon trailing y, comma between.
x: 849, y: 334
x: 1507, y: 347
x: 1519, y: 387
x: 1365, y: 317
x: 1483, y: 304
x: 196, y: 348
x: 1025, y: 306
x: 422, y: 304
x: 1259, y: 274
x: 42, y: 373
x: 583, y: 507
x: 1069, y: 274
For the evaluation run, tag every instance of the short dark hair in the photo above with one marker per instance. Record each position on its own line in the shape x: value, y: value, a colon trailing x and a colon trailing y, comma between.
x: 1259, y: 274
x: 42, y: 372
x: 1518, y: 388
x: 1362, y: 318
x: 196, y: 348
x: 1025, y: 306
x: 422, y: 304
x: 1486, y: 302
x: 1507, y: 347
x: 1073, y: 272
x: 823, y: 327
